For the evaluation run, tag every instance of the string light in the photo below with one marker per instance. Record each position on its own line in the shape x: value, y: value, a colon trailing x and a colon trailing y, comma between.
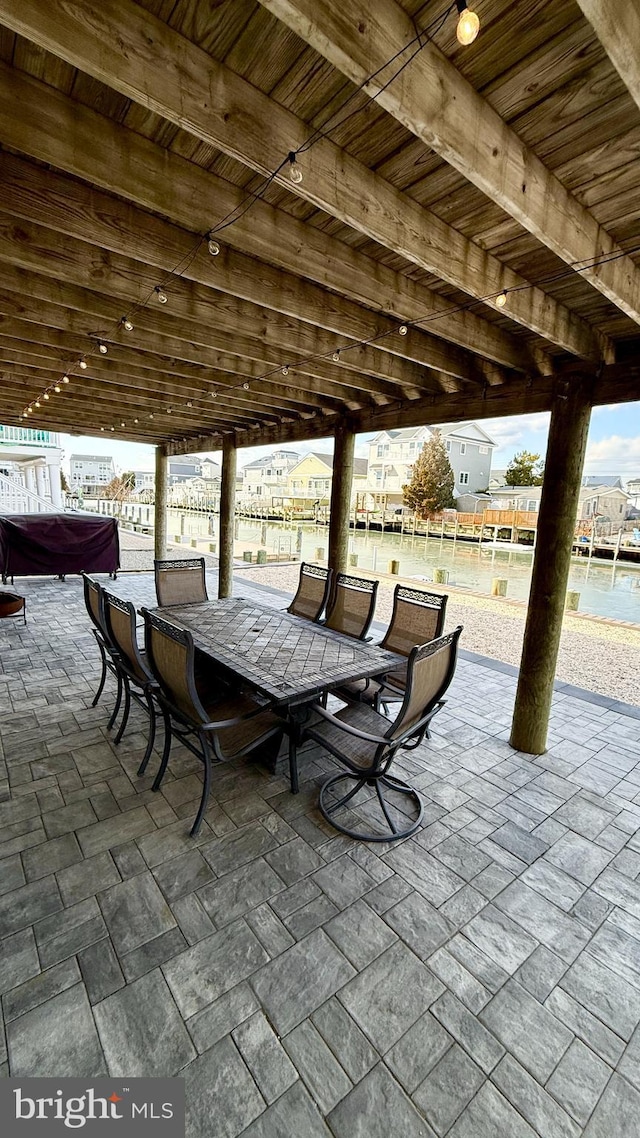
x: 30, y: 410
x: 285, y: 370
x: 57, y: 389
x: 468, y: 24
x: 123, y: 424
x: 127, y: 324
x: 136, y: 420
x: 102, y: 428
x: 295, y: 173
x: 151, y: 415
x: 213, y: 246
x: 213, y: 394
x: 501, y: 300
x: 102, y: 348
x: 245, y: 386
x: 336, y: 356
x: 402, y: 330
x: 37, y: 402
x: 162, y: 296
x: 46, y: 395
x: 83, y: 365
x: 112, y: 428
x: 65, y: 379
x: 189, y: 403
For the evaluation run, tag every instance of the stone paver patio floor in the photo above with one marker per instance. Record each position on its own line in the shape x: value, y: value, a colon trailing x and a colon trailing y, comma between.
x: 479, y: 980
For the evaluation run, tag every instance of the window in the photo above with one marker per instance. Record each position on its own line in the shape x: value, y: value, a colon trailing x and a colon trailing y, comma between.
x: 447, y: 446
x: 412, y: 446
x: 463, y: 478
x: 483, y: 450
x: 463, y: 448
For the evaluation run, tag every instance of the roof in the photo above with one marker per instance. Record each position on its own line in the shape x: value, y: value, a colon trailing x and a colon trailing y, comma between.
x: 319, y: 310
x: 601, y: 491
x: 90, y: 458
x: 602, y: 480
x: 270, y: 459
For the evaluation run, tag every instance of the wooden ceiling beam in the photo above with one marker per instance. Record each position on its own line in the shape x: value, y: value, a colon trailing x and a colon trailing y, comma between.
x: 67, y: 206
x: 31, y: 297
x: 33, y: 247
x: 55, y: 129
x: 438, y: 105
x: 617, y: 26
x: 135, y: 53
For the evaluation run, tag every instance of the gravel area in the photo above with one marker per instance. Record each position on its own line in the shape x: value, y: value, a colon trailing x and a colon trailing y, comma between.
x: 136, y: 552
x: 599, y: 655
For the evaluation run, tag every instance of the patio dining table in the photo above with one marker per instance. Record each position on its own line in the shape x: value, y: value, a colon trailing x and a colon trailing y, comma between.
x: 288, y: 660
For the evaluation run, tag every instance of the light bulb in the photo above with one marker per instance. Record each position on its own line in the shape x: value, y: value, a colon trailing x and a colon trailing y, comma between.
x: 403, y: 329
x: 123, y: 424
x: 136, y: 420
x: 65, y: 379
x: 46, y: 395
x: 169, y: 409
x: 189, y: 403
x: 102, y: 428
x: 57, y: 389
x: 245, y: 386
x: 501, y: 300
x: 103, y: 349
x: 336, y: 357
x: 84, y: 365
x: 151, y: 415
x: 213, y: 394
x: 295, y: 173
x: 30, y: 410
x: 113, y: 428
x: 468, y: 24
x: 162, y: 296
x: 213, y: 247
x: 126, y: 324
x: 37, y: 402
x: 285, y: 370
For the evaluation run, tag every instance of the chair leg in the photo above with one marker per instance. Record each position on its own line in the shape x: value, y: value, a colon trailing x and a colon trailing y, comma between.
x: 206, y: 789
x: 294, y: 739
x: 394, y: 834
x: 103, y: 677
x: 165, y: 751
x: 127, y: 709
x: 116, y: 709
x: 152, y: 733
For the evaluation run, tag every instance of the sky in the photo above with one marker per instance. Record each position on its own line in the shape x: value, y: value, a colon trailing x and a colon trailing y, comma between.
x: 613, y: 446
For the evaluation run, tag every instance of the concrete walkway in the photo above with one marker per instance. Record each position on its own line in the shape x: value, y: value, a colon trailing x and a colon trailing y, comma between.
x: 479, y: 980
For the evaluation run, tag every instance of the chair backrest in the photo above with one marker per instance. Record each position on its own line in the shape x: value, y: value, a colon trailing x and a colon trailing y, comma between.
x: 94, y: 601
x: 313, y: 590
x: 429, y: 672
x: 180, y: 582
x: 354, y: 602
x: 171, y: 655
x: 120, y: 619
x: 417, y: 618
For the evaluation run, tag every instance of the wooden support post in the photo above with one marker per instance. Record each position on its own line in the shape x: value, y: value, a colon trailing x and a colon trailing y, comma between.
x: 341, y: 499
x: 566, y: 448
x: 160, y: 507
x: 227, y: 506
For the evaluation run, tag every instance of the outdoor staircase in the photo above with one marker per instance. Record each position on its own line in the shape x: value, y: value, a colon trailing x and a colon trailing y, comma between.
x: 16, y: 499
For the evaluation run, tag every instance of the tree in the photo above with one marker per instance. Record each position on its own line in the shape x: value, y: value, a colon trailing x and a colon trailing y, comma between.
x: 64, y: 485
x: 117, y: 489
x: 525, y: 469
x: 432, y: 480
x: 129, y: 479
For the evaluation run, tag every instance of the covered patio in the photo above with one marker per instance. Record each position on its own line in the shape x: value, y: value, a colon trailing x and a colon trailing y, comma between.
x: 231, y: 223
x: 480, y: 978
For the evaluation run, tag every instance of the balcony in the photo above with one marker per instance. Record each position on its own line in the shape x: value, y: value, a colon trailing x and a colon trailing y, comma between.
x: 28, y: 436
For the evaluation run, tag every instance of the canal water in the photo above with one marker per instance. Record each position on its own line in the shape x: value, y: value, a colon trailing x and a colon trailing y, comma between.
x: 605, y: 590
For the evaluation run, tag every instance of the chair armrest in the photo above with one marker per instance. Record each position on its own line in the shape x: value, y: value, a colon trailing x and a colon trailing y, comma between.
x: 214, y: 725
x: 347, y: 727
x: 424, y: 722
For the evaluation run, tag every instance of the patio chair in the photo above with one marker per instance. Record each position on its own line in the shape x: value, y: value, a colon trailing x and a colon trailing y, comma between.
x: 313, y: 591
x: 180, y: 581
x: 417, y: 618
x: 353, y: 605
x: 137, y: 678
x: 94, y: 602
x: 213, y: 722
x: 366, y: 743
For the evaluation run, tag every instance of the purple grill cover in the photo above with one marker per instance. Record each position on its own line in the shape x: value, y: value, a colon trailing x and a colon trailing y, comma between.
x: 52, y: 544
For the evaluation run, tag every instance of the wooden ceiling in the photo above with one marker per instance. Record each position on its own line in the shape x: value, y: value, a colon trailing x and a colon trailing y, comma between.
x: 435, y: 177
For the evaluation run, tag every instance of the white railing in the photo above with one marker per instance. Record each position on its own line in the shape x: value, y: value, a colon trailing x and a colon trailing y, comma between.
x: 16, y: 499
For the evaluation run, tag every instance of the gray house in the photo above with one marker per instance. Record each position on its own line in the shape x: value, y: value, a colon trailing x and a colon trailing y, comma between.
x: 393, y: 453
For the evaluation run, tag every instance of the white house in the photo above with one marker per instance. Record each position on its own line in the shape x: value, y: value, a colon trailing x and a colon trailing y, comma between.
x: 393, y: 453
x: 29, y: 470
x: 90, y: 472
x: 266, y: 477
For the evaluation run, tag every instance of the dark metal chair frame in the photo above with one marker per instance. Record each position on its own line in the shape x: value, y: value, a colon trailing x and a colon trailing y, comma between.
x: 138, y: 681
x: 194, y: 570
x: 108, y: 651
x: 176, y: 722
x: 398, y: 734
x: 390, y: 688
x: 309, y: 575
x: 345, y: 585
